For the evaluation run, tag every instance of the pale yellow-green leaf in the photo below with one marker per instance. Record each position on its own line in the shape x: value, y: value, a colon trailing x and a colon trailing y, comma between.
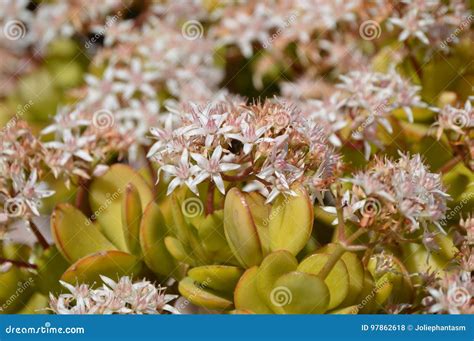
x: 240, y: 229
x: 106, y: 195
x: 75, y: 235
x: 291, y: 221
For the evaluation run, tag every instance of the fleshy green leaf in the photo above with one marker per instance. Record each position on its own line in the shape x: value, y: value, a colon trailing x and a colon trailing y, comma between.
x: 273, y: 266
x: 11, y: 296
x: 260, y: 214
x: 240, y: 229
x: 366, y: 299
x: 51, y: 265
x: 337, y: 279
x: 185, y: 232
x: 447, y: 249
x: 240, y: 312
x: 113, y: 264
x: 246, y: 295
x: 176, y: 249
x: 131, y: 218
x: 211, y: 233
x: 16, y: 251
x: 37, y: 304
x: 300, y: 293
x: 202, y: 296
x: 352, y: 310
x: 218, y: 277
x: 152, y: 240
x: 75, y: 235
x: 384, y: 287
x: 291, y: 221
x: 417, y: 259
x: 106, y: 196
x: 355, y: 270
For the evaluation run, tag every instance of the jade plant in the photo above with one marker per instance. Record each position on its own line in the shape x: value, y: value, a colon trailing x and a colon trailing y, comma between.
x: 241, y: 157
x: 276, y: 266
x: 109, y: 244
x: 257, y: 244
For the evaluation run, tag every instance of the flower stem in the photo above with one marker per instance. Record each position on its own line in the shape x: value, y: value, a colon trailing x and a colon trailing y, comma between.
x: 81, y: 193
x: 414, y: 62
x: 338, y: 252
x: 333, y: 258
x: 210, y: 198
x: 368, y: 253
x: 354, y: 236
x: 41, y: 239
x: 150, y: 167
x: 341, y: 233
x: 81, y: 201
x: 450, y: 164
x: 18, y: 263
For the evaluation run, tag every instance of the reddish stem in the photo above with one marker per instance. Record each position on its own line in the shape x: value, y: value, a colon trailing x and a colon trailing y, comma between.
x: 414, y: 62
x: 210, y: 198
x: 81, y: 201
x: 338, y: 252
x: 81, y: 193
x: 450, y: 164
x: 341, y: 233
x: 41, y: 239
x: 151, y: 169
x: 18, y: 263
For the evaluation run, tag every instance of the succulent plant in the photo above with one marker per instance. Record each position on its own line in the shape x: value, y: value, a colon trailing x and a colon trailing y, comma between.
x: 275, y: 266
x: 124, y: 235
x: 254, y: 157
x: 121, y: 238
x: 251, y: 256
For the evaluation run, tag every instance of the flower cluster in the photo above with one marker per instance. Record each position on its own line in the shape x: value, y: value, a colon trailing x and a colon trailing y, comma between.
x: 396, y: 196
x: 37, y: 26
x: 453, y: 294
x: 466, y: 243
x: 372, y: 97
x: 28, y: 30
x: 429, y: 21
x: 380, y: 93
x: 268, y: 146
x: 364, y: 103
x: 245, y: 24
x: 121, y: 297
x: 458, y: 124
x: 321, y: 32
x: 467, y: 224
x: 155, y: 56
x: 453, y: 291
x: 279, y: 23
x: 22, y: 165
x: 119, y: 105
x: 81, y: 141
